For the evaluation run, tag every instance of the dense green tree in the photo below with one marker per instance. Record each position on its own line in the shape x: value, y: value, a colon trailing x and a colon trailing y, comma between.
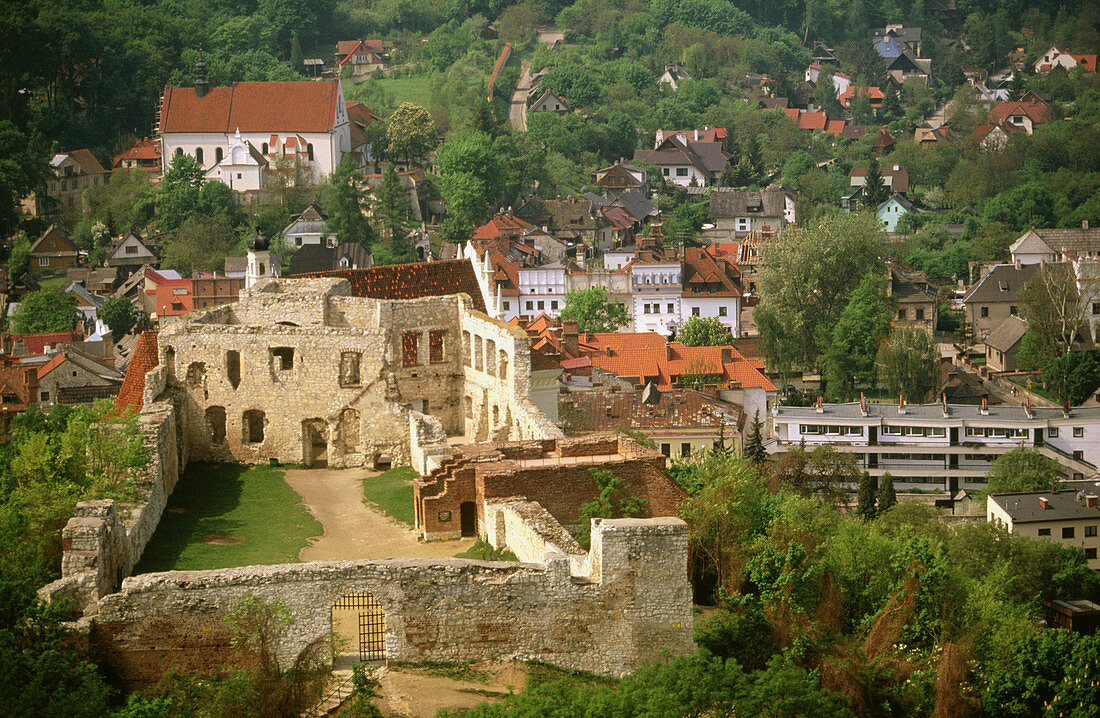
x: 201, y: 244
x: 47, y: 310
x: 345, y: 201
x: 907, y: 364
x: 1072, y: 377
x: 865, y: 497
x: 20, y: 260
x: 411, y: 133
x: 593, y: 311
x: 700, y: 332
x: 1022, y: 470
x: 754, y: 443
x: 614, y: 501
x: 392, y: 207
x: 472, y: 177
x: 178, y: 197
x: 119, y: 315
x: 850, y: 357
x: 875, y: 191
x: 805, y: 281
x: 887, y: 497
x: 19, y: 174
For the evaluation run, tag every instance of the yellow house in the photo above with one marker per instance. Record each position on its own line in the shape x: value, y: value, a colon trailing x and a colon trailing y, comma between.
x: 1071, y: 518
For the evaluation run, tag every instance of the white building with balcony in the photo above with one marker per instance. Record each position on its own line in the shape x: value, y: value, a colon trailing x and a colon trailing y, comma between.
x: 940, y: 446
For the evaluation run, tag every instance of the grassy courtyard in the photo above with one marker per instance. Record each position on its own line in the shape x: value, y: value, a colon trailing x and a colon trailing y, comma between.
x: 225, y: 515
x: 391, y: 492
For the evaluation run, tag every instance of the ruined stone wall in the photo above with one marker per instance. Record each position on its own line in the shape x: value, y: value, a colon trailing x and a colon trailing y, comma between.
x: 634, y: 602
x: 528, y: 530
x: 497, y: 362
x: 269, y: 376
x: 104, y: 540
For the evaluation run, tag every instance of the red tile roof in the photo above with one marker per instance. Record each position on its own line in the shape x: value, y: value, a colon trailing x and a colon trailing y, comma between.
x: 1038, y: 112
x: 36, y: 343
x: 874, y: 93
x: 1087, y: 61
x: 504, y: 224
x: 169, y: 303
x: 411, y: 281
x: 145, y: 357
x: 252, y: 107
x: 146, y: 149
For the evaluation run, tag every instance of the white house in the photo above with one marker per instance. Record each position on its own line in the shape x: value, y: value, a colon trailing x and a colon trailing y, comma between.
x: 1057, y: 57
x: 308, y: 228
x: 542, y: 290
x: 303, y: 121
x: 841, y: 82
x: 242, y: 168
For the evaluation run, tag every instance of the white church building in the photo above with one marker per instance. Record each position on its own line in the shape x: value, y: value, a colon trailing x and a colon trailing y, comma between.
x: 237, y: 132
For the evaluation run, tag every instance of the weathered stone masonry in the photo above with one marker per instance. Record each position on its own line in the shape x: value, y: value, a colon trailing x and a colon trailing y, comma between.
x: 630, y: 600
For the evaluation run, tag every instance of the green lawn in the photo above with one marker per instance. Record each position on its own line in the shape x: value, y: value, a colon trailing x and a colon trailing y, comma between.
x: 392, y: 492
x: 225, y: 515
x: 415, y: 88
x: 55, y: 282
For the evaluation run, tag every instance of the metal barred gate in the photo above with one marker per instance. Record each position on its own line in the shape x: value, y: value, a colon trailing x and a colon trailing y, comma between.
x: 372, y: 624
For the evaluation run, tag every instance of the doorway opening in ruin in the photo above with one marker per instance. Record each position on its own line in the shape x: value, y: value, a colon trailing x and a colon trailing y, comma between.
x: 467, y: 512
x: 315, y: 443
x: 382, y: 462
x: 359, y: 628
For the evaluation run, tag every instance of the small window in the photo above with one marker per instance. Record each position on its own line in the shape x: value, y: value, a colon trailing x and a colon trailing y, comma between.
x: 530, y: 306
x: 920, y: 315
x: 198, y: 155
x: 264, y: 148
x: 218, y: 154
x: 1078, y: 432
x: 282, y: 358
x: 45, y: 397
x: 1090, y: 553
x: 349, y: 368
x: 695, y: 311
x: 131, y: 249
x: 681, y: 172
x: 901, y: 314
x: 685, y: 449
x: 43, y: 261
x: 985, y: 312
x: 542, y: 305
x: 1090, y: 531
x: 233, y: 368
x: 1068, y: 532
x: 1079, y: 455
x: 253, y: 427
x: 1044, y: 532
x: 435, y: 346
x: 671, y: 308
x: 410, y: 344
x: 1052, y: 432
x: 721, y: 311
x: 666, y: 449
x: 554, y: 305
x: 507, y: 306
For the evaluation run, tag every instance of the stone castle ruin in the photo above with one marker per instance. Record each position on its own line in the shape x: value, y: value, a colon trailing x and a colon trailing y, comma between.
x: 304, y: 371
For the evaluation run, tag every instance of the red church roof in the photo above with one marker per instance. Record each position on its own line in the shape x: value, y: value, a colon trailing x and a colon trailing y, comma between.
x: 252, y: 107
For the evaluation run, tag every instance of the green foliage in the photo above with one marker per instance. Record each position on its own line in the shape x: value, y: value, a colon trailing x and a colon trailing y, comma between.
x: 1072, y: 377
x: 684, y: 223
x: 411, y: 132
x: 482, y: 550
x: 887, y: 498
x: 1051, y: 673
x: 392, y: 210
x: 865, y: 497
x: 201, y: 244
x: 18, y: 173
x: 613, y: 502
x: 345, y: 201
x: 391, y: 492
x: 708, y: 332
x: 472, y: 176
x: 20, y: 260
x: 850, y: 357
x: 805, y: 281
x: 754, y: 444
x: 47, y: 310
x: 907, y: 364
x: 1022, y: 470
x: 119, y: 315
x: 593, y: 311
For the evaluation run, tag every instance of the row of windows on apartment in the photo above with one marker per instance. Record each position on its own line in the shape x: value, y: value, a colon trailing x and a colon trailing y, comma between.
x: 76, y: 184
x: 530, y: 305
x: 657, y: 279
x: 1069, y: 532
x: 219, y: 154
x: 932, y: 431
x: 685, y: 448
x: 481, y: 354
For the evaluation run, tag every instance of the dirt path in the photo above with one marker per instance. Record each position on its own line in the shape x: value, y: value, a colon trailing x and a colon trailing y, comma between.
x: 352, y: 530
x: 517, y: 111
x: 410, y: 692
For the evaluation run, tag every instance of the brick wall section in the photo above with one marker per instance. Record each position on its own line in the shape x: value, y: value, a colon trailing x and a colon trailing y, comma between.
x: 634, y: 602
x: 553, y: 473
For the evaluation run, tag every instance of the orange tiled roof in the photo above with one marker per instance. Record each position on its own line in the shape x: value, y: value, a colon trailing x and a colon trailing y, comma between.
x: 145, y: 357
x: 146, y: 149
x: 504, y: 224
x: 252, y: 107
x: 1037, y: 111
x: 411, y: 281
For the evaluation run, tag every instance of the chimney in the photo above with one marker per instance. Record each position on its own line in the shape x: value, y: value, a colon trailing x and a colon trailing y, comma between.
x: 1065, y: 410
x: 862, y: 404
x: 1043, y: 502
x: 1084, y: 224
x: 201, y: 85
x: 727, y: 355
x: 668, y: 351
x: 1027, y: 407
x: 570, y: 341
x: 984, y: 410
x: 1090, y: 501
x: 696, y: 136
x: 943, y: 398
x: 901, y: 403
x: 820, y: 408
